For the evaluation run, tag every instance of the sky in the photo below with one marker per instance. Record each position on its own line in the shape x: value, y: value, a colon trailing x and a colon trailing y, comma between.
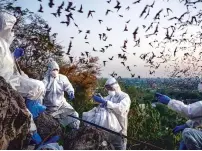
x: 116, y: 36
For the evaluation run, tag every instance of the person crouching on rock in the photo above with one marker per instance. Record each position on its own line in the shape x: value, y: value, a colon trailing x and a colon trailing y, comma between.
x: 54, y: 99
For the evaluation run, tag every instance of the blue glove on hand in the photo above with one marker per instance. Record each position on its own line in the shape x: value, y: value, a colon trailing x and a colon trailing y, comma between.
x: 35, y: 107
x: 179, y: 128
x: 99, y: 99
x: 53, y: 139
x: 182, y: 146
x: 36, y: 138
x: 162, y: 98
x: 18, y: 52
x: 71, y: 95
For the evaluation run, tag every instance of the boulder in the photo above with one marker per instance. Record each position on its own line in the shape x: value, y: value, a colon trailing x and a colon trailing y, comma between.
x: 87, y: 138
x: 47, y: 126
x: 14, y: 117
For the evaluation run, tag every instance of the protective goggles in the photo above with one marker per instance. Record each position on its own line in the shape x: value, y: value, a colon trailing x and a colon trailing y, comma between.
x: 55, y: 70
x: 109, y: 87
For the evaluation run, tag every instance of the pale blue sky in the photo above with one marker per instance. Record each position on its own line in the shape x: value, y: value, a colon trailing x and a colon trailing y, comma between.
x: 115, y: 37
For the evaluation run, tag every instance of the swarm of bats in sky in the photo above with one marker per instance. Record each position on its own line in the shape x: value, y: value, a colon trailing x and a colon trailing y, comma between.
x: 153, y: 59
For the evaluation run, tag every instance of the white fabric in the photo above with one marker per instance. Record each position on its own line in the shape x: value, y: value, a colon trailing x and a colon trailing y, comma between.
x: 31, y: 88
x: 55, y: 88
x: 51, y: 146
x: 7, y: 22
x: 10, y: 40
x: 192, y: 111
x: 56, y: 103
x: 102, y: 117
x: 110, y: 81
x: 200, y: 87
x: 117, y: 109
x: 120, y: 105
x: 53, y: 65
x: 115, y: 114
x: 62, y: 115
x: 89, y: 116
x: 111, y: 93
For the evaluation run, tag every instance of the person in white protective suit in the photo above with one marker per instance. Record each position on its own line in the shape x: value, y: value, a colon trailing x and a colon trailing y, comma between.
x: 7, y: 22
x: 54, y: 99
x: 27, y: 87
x: 119, y: 102
x: 191, y: 137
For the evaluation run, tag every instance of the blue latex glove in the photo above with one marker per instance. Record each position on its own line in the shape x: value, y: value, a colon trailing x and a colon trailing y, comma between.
x: 179, y: 128
x: 36, y: 138
x: 162, y: 98
x: 99, y: 99
x: 52, y: 140
x: 182, y: 146
x: 71, y: 95
x: 35, y: 107
x: 103, y: 105
x: 18, y: 52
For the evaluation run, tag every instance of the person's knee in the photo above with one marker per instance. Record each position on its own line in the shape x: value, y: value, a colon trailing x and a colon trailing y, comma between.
x: 77, y: 122
x: 76, y: 114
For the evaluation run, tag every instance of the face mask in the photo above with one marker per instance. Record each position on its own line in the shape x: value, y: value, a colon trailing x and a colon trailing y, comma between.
x: 54, y: 73
x: 200, y: 87
x: 111, y: 93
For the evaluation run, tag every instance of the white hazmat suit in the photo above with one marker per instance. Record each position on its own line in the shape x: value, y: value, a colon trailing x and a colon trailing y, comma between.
x: 119, y: 102
x: 28, y: 88
x: 54, y: 99
x: 7, y: 22
x: 191, y: 137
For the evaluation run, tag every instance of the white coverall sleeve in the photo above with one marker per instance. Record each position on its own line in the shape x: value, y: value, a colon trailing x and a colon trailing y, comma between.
x: 192, y: 111
x: 194, y: 122
x: 45, y: 81
x: 67, y: 85
x: 120, y: 108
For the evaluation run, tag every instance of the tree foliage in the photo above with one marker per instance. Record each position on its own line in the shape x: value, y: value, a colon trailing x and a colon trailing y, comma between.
x: 84, y: 78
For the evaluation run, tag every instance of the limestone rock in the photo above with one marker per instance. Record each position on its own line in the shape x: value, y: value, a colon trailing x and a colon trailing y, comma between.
x: 87, y: 138
x: 14, y: 117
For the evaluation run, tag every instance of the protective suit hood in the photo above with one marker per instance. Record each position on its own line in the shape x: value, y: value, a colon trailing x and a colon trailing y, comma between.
x: 53, y: 65
x: 111, y: 81
x: 7, y: 22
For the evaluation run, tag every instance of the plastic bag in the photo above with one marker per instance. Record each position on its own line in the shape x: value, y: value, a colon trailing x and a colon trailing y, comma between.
x: 31, y: 88
x: 90, y: 115
x: 103, y: 117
